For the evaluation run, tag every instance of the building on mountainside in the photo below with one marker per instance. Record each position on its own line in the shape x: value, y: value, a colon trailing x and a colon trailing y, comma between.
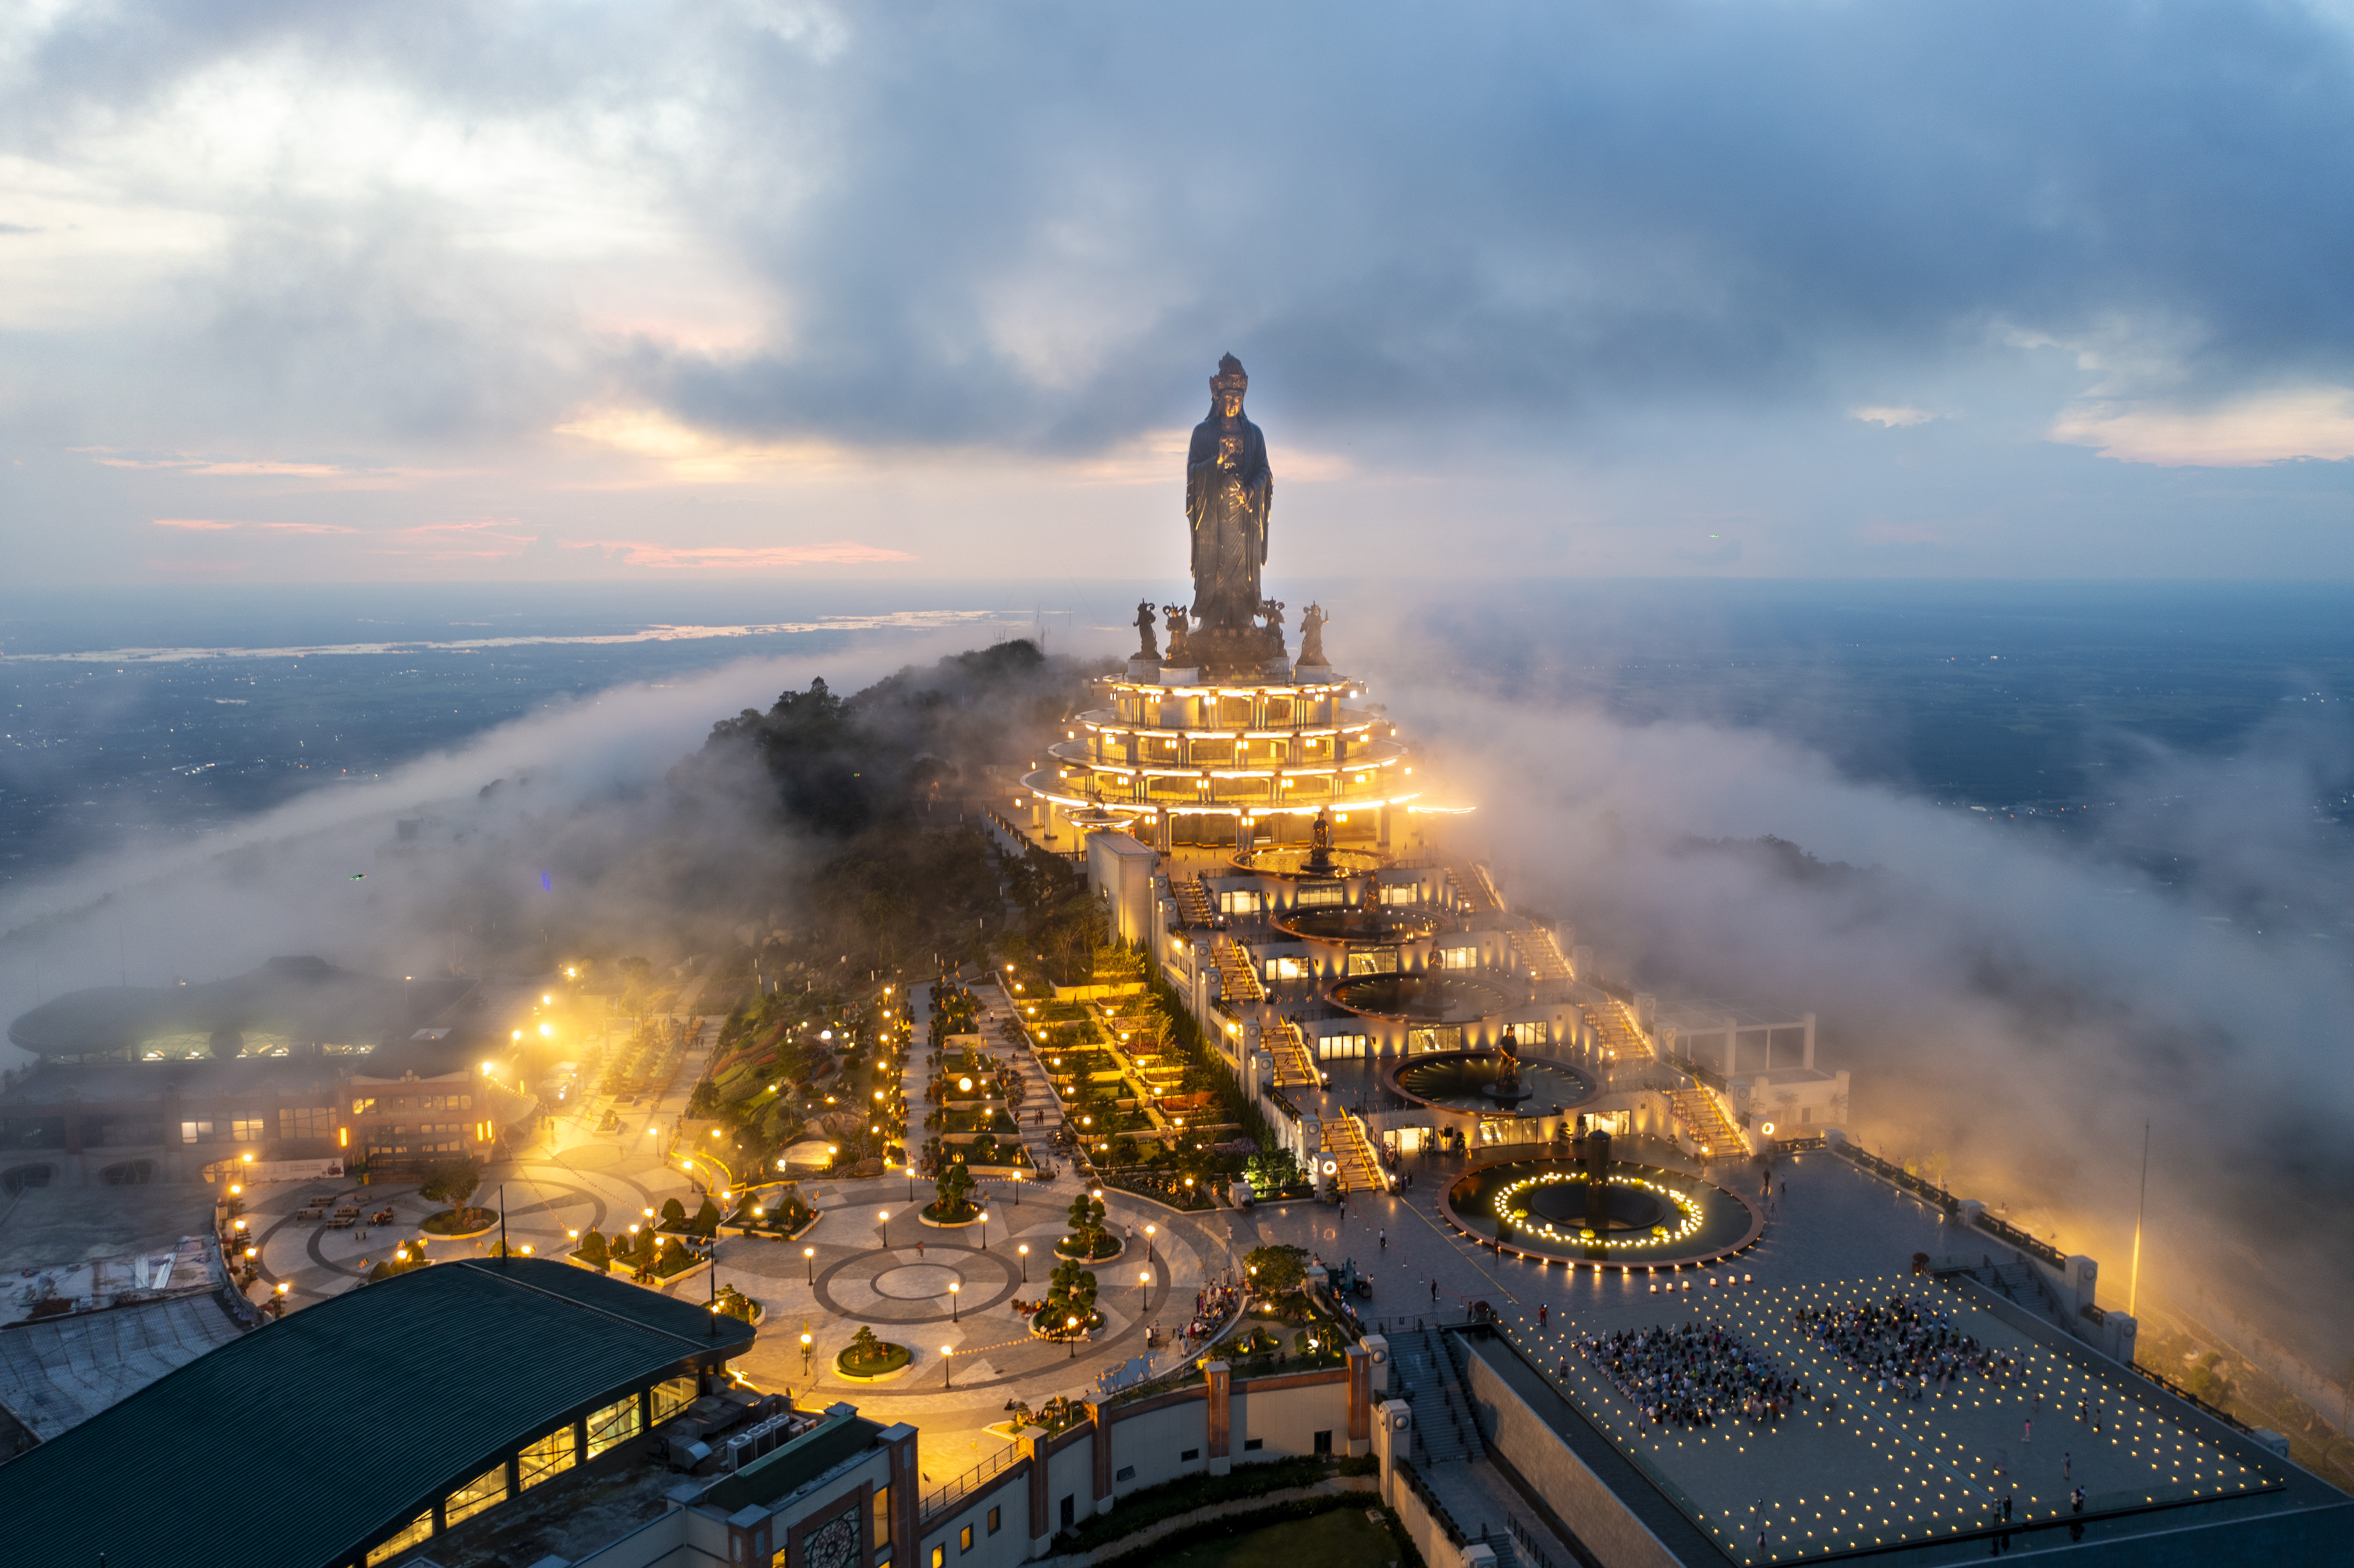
x: 298, y: 1068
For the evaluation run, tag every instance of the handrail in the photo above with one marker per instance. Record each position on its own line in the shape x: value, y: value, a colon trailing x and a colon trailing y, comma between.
x: 964, y: 1484
x: 1430, y: 1500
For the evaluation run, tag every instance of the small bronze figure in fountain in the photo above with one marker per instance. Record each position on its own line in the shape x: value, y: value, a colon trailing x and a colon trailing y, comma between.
x: 1319, y: 841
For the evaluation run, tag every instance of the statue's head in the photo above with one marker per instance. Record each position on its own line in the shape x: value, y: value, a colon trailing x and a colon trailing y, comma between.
x: 1227, y: 387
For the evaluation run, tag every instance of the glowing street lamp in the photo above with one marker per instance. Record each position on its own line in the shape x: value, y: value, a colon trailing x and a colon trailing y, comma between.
x: 885, y: 1228
x: 809, y: 1258
x: 805, y: 1351
x: 947, y: 1352
x: 1071, y: 1326
x: 1024, y: 1250
x: 984, y: 1230
x: 953, y: 1289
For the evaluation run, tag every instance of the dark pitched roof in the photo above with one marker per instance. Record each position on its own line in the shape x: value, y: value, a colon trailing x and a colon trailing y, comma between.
x: 308, y: 1439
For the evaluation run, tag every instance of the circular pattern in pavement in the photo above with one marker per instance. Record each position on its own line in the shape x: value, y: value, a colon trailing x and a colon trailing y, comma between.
x: 915, y: 1282
x: 883, y: 1288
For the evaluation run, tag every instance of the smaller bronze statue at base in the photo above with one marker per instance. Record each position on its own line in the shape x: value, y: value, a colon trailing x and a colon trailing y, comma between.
x: 1179, y: 654
x: 1311, y: 634
x: 1145, y: 623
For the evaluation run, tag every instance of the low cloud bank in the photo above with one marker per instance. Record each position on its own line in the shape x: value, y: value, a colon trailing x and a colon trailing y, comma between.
x: 2014, y: 1005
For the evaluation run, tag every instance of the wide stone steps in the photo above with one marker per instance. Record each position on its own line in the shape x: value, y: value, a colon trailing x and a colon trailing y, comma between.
x: 1192, y: 900
x: 1294, y: 1067
x: 1703, y: 1116
x: 1443, y: 1427
x: 1237, y: 978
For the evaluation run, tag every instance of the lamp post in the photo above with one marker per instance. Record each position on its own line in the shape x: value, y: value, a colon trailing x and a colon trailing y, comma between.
x: 1148, y: 1244
x: 1072, y: 1327
x: 953, y: 1289
x: 1024, y: 1250
x: 1144, y: 1292
x: 984, y: 1230
x: 805, y: 1351
x: 885, y: 1229
x: 948, y: 1370
x: 808, y: 1262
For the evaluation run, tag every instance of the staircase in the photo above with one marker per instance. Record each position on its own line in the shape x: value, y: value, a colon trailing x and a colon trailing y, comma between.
x: 1703, y: 1116
x: 1475, y: 890
x: 1294, y: 1067
x: 1443, y: 1427
x: 1192, y: 900
x: 1237, y: 979
x: 2024, y: 1283
x: 1539, y: 954
x: 1345, y: 1141
x: 1615, y: 1023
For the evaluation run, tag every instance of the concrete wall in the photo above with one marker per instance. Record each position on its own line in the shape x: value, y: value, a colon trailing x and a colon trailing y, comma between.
x: 1003, y: 1546
x: 1283, y: 1416
x: 1546, y: 1463
x: 1152, y: 1439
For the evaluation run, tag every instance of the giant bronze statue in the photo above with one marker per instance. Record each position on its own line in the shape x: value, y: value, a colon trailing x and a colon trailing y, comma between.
x: 1229, y: 492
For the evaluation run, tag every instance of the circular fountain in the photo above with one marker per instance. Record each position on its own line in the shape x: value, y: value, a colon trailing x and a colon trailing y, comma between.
x: 1490, y: 1083
x: 1604, y: 1213
x: 1432, y: 997
x: 1364, y: 926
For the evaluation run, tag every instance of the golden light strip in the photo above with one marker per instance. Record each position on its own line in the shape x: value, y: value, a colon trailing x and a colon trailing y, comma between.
x: 1685, y: 1206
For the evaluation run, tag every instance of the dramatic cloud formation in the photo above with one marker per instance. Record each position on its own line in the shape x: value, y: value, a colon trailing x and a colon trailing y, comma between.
x: 840, y: 271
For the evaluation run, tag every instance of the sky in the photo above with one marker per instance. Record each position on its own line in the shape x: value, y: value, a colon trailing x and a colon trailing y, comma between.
x: 565, y: 289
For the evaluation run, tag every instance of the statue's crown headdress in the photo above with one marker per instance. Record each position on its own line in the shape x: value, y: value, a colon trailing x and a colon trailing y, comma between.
x: 1230, y: 373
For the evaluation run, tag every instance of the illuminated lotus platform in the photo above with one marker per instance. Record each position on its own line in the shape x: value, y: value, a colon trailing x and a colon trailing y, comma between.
x: 1475, y: 1082
x: 1441, y: 998
x: 1371, y: 927
x: 1651, y: 1217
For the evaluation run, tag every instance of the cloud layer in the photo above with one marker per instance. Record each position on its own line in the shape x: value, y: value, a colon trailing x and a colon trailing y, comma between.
x: 789, y: 246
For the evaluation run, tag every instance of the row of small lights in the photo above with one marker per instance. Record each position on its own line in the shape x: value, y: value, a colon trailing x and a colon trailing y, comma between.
x: 1660, y: 1237
x: 1811, y: 1350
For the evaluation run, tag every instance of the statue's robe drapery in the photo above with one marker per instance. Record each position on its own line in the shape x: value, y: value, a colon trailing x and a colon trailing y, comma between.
x: 1228, y: 509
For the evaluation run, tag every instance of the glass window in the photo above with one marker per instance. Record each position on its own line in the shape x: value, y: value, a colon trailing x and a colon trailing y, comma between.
x: 673, y: 1396
x: 964, y: 1539
x: 1288, y: 968
x: 1378, y: 962
x: 1401, y: 892
x: 307, y: 1121
x: 1458, y: 957
x: 939, y: 1556
x: 1537, y: 1033
x: 882, y: 1516
x: 1322, y: 895
x: 420, y: 1529
x: 1244, y: 902
x: 196, y: 1132
x: 486, y: 1490
x: 616, y: 1423
x: 247, y: 1129
x: 993, y: 1521
x: 551, y: 1456
x: 360, y: 1107
x: 1335, y: 1047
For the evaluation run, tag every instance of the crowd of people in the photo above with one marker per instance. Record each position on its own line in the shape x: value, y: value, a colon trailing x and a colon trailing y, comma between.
x: 1695, y: 1374
x: 1899, y: 1342
x: 1212, y: 1305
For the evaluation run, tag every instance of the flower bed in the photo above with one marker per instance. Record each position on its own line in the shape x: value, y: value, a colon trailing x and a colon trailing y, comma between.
x: 1108, y: 1246
x: 869, y: 1360
x: 450, y: 1223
